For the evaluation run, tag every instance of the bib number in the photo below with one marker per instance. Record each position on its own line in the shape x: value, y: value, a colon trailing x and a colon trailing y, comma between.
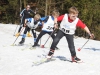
x: 50, y: 28
x: 65, y: 31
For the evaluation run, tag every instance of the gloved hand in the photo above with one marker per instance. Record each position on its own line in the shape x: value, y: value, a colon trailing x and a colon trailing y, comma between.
x: 56, y: 25
x: 91, y: 36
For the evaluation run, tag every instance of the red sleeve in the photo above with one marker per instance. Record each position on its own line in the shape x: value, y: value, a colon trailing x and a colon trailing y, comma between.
x: 60, y: 18
x: 80, y: 24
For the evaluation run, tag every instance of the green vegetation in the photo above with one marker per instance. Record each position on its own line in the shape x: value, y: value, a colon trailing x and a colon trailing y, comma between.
x: 89, y: 12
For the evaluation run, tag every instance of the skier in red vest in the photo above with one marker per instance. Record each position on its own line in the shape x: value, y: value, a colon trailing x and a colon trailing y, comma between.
x: 68, y: 25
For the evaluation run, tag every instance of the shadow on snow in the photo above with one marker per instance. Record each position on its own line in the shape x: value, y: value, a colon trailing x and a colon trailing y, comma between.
x: 94, y: 49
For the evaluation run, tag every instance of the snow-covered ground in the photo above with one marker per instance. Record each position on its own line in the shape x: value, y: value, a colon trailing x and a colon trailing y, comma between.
x: 18, y: 60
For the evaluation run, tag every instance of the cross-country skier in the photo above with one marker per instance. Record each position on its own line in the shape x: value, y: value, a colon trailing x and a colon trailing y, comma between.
x: 48, y: 25
x: 68, y: 25
x: 31, y: 23
x: 26, y: 13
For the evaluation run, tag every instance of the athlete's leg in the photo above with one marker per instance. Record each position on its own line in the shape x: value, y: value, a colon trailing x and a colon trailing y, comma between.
x: 34, y: 35
x: 57, y: 38
x: 52, y: 34
x: 38, y: 38
x: 71, y: 46
x: 24, y: 35
x: 28, y: 34
x: 21, y: 25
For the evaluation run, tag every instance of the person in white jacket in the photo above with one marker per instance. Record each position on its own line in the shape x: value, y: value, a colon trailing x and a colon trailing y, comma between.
x: 68, y: 25
x: 48, y: 26
x: 31, y: 23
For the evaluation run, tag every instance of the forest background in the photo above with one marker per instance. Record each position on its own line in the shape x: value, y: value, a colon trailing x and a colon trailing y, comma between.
x: 89, y: 11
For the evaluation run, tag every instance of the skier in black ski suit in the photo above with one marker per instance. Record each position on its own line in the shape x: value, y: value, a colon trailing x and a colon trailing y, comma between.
x: 26, y: 13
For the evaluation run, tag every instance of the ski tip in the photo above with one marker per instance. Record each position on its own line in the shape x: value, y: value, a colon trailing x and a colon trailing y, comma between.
x: 31, y: 48
x: 13, y: 45
x: 77, y: 62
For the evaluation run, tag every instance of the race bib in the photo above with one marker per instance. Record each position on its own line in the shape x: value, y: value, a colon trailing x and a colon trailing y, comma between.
x: 64, y: 30
x: 49, y: 28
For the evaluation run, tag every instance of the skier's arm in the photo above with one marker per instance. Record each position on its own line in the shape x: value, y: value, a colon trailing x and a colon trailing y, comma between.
x: 83, y: 26
x: 44, y: 19
x: 32, y: 13
x: 55, y: 23
x: 58, y: 19
x: 89, y: 33
x: 22, y: 12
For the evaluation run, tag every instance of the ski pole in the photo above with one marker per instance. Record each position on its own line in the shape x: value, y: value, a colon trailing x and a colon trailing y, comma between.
x: 79, y: 49
x: 15, y: 30
x: 18, y: 36
x: 42, y: 46
x: 40, y: 42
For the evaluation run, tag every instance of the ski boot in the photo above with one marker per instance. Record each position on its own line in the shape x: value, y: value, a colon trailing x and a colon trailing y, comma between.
x: 50, y: 54
x: 76, y: 59
x: 29, y: 35
x: 35, y: 44
x: 22, y: 41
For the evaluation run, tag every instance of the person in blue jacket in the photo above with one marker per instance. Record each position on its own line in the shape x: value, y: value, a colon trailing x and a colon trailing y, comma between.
x: 48, y: 26
x: 31, y: 23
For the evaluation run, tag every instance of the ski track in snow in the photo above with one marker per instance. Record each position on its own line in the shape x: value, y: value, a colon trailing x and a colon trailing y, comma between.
x: 18, y: 60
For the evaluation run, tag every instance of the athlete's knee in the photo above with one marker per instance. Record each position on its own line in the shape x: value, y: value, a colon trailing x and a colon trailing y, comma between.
x: 56, y: 40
